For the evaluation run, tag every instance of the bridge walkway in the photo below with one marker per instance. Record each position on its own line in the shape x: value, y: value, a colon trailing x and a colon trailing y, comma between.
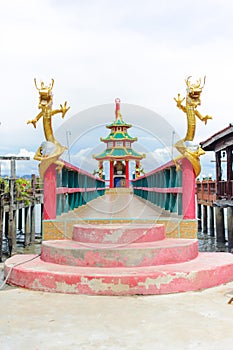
x: 119, y: 205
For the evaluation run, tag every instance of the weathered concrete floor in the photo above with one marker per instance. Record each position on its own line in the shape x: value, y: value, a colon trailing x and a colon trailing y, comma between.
x: 119, y: 205
x: 193, y: 320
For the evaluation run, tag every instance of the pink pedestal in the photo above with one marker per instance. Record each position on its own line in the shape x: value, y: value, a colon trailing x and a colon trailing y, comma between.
x: 120, y: 260
x: 188, y: 190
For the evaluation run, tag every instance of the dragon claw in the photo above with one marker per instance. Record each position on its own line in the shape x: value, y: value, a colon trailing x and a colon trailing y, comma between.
x: 206, y: 118
x: 32, y: 122
x: 64, y: 109
x: 179, y: 100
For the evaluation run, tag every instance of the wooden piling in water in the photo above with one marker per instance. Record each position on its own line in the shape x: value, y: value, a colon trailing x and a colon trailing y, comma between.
x: 199, y: 217
x: 33, y: 223
x: 205, y: 228
x: 12, y: 209
x: 220, y: 224
x: 211, y: 221
x: 20, y: 220
x: 230, y: 227
x: 27, y: 227
x: 1, y: 225
x: 6, y: 229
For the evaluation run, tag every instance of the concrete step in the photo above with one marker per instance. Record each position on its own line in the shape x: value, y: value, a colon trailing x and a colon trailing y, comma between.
x: 118, y: 234
x: 167, y: 251
x: 207, y: 270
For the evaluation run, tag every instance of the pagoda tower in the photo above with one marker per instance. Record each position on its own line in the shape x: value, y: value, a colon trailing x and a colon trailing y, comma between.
x: 119, y: 152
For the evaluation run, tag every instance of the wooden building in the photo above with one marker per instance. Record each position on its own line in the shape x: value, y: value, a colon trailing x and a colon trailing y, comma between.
x: 218, y: 194
x: 222, y: 144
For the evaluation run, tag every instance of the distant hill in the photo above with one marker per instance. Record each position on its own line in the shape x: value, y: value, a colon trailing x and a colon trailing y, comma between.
x: 25, y: 176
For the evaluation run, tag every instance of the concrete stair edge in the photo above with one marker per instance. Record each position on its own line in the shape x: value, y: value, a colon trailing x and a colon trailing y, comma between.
x: 207, y: 270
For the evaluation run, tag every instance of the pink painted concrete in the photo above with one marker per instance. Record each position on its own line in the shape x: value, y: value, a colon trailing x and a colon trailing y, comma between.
x: 188, y: 184
x: 106, y: 267
x: 80, y: 171
x: 160, y: 168
x: 207, y: 270
x: 50, y: 193
x: 111, y: 170
x: 167, y: 251
x: 118, y: 106
x: 161, y: 189
x: 127, y: 173
x: 118, y: 234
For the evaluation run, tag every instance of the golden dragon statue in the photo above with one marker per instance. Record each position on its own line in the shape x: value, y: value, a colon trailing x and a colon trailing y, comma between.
x: 49, y: 151
x: 186, y: 146
x: 139, y: 169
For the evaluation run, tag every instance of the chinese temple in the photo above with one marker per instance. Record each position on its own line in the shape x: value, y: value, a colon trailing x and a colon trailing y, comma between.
x: 119, y: 152
x: 126, y: 241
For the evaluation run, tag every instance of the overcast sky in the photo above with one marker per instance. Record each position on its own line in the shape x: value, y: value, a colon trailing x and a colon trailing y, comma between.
x: 140, y: 51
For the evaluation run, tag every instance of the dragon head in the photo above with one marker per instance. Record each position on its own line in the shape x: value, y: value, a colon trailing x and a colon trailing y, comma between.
x: 46, y: 95
x: 194, y: 92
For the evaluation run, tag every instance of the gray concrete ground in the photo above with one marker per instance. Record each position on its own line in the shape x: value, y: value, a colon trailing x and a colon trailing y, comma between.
x: 40, y: 321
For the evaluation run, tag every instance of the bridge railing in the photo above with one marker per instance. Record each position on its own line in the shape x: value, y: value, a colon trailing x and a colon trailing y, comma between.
x: 211, y: 190
x: 68, y: 189
x: 225, y: 189
x: 171, y: 190
x: 206, y: 191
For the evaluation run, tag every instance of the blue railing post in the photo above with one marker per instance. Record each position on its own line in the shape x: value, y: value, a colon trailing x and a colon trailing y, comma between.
x: 162, y: 187
x: 73, y: 186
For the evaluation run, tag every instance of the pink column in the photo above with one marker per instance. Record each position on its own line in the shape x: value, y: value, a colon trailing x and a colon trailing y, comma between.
x: 117, y: 101
x: 188, y: 185
x: 50, y: 199
x: 127, y: 173
x: 111, y: 185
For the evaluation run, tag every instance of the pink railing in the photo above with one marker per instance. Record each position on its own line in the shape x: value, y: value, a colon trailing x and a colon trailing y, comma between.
x: 69, y: 189
x: 169, y: 189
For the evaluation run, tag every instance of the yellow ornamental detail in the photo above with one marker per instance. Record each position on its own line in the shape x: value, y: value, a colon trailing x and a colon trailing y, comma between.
x: 186, y: 146
x: 49, y: 151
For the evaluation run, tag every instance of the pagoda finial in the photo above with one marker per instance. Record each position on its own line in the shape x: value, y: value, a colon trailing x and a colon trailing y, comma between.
x: 118, y: 102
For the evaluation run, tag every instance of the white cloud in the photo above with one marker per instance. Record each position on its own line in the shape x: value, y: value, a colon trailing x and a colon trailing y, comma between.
x: 23, y: 167
x: 156, y: 158
x: 96, y: 51
x: 83, y: 159
x: 208, y: 165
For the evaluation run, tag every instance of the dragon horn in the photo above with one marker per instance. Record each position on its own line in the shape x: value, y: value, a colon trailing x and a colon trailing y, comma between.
x: 36, y: 84
x: 51, y: 86
x: 198, y: 83
x: 187, y: 81
x: 204, y: 82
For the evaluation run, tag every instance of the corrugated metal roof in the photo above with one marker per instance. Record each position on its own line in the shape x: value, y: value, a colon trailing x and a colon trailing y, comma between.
x: 225, y: 134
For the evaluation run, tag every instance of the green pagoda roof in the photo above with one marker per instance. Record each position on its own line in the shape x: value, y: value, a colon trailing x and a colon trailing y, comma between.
x: 119, y: 152
x: 118, y: 122
x: 118, y: 135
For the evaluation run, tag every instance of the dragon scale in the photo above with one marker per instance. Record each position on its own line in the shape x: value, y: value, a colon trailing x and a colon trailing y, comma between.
x: 191, y: 124
x: 190, y: 109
